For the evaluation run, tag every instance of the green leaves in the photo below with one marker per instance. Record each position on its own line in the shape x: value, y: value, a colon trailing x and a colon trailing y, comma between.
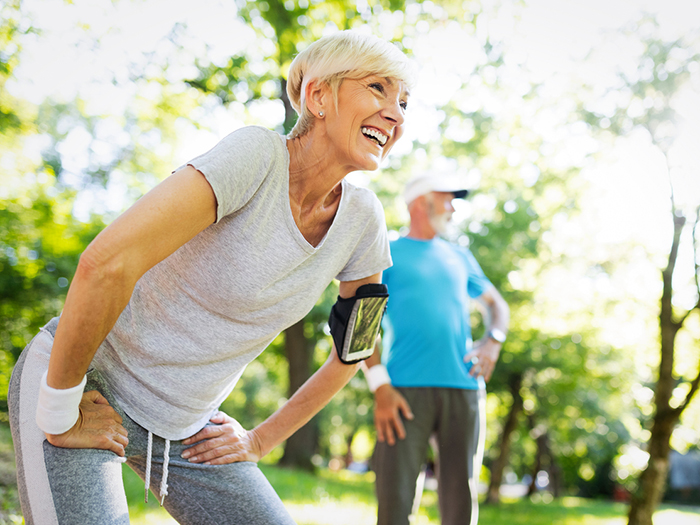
x: 40, y: 244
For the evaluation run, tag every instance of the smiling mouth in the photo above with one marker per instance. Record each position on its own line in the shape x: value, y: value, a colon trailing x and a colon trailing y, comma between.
x: 375, y: 135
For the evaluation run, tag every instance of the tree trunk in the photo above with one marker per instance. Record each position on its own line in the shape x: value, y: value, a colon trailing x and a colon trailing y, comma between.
x: 301, y: 446
x: 348, y: 455
x: 493, y: 495
x: 538, y: 456
x: 556, y: 477
x: 652, y: 481
x: 290, y: 116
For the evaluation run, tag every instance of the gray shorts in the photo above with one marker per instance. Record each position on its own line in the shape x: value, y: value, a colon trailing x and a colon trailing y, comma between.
x: 457, y: 418
x: 84, y: 486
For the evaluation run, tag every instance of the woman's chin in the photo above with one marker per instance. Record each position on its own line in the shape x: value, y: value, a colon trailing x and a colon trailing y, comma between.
x: 367, y: 164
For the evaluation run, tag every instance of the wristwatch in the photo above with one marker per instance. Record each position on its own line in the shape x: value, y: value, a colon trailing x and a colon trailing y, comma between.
x: 497, y: 335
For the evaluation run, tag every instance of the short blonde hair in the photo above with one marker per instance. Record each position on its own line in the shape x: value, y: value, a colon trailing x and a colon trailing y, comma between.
x: 346, y: 54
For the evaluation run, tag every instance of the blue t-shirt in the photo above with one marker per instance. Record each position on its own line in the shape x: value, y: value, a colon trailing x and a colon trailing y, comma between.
x: 426, y: 326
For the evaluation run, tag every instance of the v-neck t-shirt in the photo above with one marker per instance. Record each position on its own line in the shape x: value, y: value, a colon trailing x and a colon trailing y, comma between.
x: 197, y: 318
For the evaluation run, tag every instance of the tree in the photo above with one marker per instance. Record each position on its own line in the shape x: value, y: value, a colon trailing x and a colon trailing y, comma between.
x: 652, y: 481
x: 651, y: 90
x: 40, y: 241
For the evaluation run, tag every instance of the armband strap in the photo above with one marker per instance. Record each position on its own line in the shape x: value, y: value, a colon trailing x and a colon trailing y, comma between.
x: 355, y: 322
x: 57, y: 410
x: 376, y: 377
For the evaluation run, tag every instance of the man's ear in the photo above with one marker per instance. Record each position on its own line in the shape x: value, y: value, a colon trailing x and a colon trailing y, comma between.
x: 422, y: 205
x: 317, y: 96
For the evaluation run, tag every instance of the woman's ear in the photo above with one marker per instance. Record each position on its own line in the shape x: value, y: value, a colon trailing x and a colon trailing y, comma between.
x: 317, y: 95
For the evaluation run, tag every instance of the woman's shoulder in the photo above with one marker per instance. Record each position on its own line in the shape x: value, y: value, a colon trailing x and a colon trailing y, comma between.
x: 254, y: 136
x: 359, y: 198
x: 360, y: 194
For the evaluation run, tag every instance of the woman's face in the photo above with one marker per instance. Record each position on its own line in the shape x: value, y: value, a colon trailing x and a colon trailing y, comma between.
x: 368, y: 122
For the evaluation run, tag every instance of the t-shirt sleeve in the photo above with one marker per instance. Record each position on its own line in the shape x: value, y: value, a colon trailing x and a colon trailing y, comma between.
x: 371, y: 255
x: 236, y: 167
x: 478, y: 282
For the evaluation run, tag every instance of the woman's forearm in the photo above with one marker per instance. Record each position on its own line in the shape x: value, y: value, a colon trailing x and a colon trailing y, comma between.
x: 313, y: 395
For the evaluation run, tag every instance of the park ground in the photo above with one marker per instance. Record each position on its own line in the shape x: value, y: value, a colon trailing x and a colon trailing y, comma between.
x: 347, y: 498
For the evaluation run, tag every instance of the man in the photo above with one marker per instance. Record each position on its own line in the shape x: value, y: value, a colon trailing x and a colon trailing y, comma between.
x: 432, y: 379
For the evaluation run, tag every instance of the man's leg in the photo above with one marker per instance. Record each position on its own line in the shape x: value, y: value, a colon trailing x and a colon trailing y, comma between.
x: 460, y: 432
x: 397, y: 466
x: 58, y: 486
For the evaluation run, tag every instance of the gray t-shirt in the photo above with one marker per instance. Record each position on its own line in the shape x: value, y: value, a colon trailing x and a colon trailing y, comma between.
x: 196, y: 319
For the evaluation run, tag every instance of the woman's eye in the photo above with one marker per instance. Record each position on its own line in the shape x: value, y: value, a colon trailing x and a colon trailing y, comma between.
x: 377, y: 86
x: 403, y: 105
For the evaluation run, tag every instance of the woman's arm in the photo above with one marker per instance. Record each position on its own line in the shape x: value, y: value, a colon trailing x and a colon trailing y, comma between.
x: 228, y: 442
x: 154, y: 227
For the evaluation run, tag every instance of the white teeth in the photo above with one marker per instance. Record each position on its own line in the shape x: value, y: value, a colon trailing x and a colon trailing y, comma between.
x: 374, y: 133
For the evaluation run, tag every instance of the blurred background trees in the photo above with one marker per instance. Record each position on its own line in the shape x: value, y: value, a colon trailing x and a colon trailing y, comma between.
x: 569, y: 151
x: 660, y: 77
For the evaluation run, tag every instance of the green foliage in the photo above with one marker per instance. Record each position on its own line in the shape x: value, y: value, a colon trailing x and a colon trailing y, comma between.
x: 40, y: 243
x: 12, y: 26
x: 648, y: 89
x: 262, y: 387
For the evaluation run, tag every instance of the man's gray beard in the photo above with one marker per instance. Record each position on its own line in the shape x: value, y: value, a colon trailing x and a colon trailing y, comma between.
x: 442, y: 224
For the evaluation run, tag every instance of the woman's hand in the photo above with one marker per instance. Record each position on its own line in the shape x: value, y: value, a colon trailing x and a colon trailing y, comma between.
x: 98, y: 426
x: 226, y: 442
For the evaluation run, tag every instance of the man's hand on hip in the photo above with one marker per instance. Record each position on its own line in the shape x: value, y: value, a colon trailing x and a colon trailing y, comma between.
x: 389, y: 406
x: 483, y: 357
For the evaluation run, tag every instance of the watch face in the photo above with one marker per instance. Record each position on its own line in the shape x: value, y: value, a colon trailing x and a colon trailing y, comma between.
x: 497, y: 335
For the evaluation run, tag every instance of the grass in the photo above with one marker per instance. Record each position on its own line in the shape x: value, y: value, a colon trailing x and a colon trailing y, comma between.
x: 346, y: 498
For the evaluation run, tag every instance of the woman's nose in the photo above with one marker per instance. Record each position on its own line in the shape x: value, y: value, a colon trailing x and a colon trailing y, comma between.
x: 394, y: 112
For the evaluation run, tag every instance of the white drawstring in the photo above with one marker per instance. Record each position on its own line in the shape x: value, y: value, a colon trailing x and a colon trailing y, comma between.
x: 166, y: 461
x: 164, y: 479
x: 149, y: 450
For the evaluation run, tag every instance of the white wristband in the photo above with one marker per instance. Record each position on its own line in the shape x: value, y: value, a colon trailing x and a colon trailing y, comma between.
x: 57, y: 410
x: 376, y: 377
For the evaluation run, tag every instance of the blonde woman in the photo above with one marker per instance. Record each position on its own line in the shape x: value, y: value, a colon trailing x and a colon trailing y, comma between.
x: 173, y: 299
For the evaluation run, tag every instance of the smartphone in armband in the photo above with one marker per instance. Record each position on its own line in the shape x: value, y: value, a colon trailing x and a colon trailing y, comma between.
x: 355, y: 322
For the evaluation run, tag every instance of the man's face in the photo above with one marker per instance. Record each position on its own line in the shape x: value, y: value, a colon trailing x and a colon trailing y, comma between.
x: 440, y: 210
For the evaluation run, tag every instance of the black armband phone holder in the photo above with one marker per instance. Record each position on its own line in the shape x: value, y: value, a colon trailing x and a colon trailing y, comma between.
x: 355, y: 322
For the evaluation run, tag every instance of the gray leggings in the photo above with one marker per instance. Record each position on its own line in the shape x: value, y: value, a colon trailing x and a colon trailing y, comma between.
x: 84, y: 486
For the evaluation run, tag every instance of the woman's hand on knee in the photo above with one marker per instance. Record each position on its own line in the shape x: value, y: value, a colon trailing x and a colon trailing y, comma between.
x: 224, y: 442
x: 98, y: 426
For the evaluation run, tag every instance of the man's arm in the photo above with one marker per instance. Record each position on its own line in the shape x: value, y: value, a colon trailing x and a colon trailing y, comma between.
x: 486, y: 351
x: 389, y: 404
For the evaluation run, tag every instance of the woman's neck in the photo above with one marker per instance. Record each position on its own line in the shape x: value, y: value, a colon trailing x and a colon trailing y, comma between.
x: 315, y: 188
x: 314, y: 179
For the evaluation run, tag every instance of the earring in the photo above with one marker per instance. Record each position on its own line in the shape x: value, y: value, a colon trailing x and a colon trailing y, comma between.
x: 320, y: 114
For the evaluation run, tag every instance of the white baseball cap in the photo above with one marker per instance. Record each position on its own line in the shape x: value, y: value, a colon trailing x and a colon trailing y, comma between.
x: 427, y: 182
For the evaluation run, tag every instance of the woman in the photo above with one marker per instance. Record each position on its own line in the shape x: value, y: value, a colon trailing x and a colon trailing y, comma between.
x: 172, y: 300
